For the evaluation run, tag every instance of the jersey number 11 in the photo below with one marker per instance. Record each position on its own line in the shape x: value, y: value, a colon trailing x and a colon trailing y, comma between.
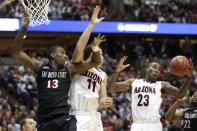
x: 93, y: 83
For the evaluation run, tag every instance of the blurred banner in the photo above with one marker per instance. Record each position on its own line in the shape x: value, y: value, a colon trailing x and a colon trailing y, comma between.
x: 105, y: 27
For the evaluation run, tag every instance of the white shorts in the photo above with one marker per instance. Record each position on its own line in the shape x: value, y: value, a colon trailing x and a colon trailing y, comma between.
x: 146, y: 127
x: 89, y: 121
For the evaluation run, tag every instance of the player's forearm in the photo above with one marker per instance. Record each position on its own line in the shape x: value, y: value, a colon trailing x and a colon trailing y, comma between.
x: 101, y: 103
x: 112, y: 82
x: 81, y: 44
x: 18, y: 42
x: 5, y: 3
x: 184, y: 88
x: 170, y: 115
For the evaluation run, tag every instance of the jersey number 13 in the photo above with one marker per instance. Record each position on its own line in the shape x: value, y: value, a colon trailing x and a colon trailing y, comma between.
x: 52, y: 83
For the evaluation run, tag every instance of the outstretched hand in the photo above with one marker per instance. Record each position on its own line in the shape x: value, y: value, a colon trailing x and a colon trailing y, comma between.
x: 120, y: 67
x: 98, y: 40
x: 191, y: 69
x: 25, y: 20
x: 95, y: 20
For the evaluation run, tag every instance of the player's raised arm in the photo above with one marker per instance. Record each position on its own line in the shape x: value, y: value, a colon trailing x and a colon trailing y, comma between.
x: 95, y: 59
x: 172, y: 115
x: 17, y: 51
x: 114, y: 86
x: 104, y: 100
x: 173, y: 91
x: 83, y: 40
x: 5, y: 2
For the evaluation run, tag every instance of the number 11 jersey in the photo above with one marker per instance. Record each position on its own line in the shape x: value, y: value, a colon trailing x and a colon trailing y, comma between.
x: 84, y: 92
x: 146, y: 101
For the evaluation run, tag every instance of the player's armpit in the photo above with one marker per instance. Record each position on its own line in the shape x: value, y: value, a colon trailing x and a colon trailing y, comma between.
x: 178, y: 116
x: 28, y: 62
x: 169, y: 90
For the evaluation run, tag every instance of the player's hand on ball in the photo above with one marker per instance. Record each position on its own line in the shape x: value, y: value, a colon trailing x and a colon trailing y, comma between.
x: 120, y: 67
x: 95, y: 20
x: 191, y: 69
x: 25, y: 20
x: 108, y: 102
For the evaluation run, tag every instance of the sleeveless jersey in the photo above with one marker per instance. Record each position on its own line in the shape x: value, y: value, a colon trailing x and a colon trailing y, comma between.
x: 84, y: 92
x: 146, y: 101
x: 190, y: 120
x: 53, y: 87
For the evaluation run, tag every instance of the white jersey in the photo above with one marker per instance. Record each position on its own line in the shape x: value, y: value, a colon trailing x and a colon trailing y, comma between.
x: 84, y: 91
x: 146, y: 101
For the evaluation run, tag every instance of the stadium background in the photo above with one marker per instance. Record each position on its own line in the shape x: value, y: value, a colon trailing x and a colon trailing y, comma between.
x: 18, y: 88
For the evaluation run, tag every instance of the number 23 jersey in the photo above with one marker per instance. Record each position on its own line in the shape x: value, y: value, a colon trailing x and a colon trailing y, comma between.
x: 146, y: 101
x: 85, y: 88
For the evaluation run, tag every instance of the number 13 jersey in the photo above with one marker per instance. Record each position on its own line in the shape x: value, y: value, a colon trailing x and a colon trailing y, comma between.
x: 85, y: 88
x: 146, y: 101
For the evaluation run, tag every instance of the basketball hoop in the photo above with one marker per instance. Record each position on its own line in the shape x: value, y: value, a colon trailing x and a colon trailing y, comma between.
x: 37, y: 11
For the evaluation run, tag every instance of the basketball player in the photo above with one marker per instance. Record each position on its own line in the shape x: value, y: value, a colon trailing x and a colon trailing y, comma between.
x: 28, y: 124
x: 147, y: 95
x: 53, y: 80
x: 88, y: 91
x: 189, y: 116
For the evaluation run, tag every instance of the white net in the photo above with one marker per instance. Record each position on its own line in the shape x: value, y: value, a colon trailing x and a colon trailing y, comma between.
x: 37, y: 10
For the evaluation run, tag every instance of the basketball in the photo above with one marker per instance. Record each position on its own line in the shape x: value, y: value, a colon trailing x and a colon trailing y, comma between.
x: 179, y: 65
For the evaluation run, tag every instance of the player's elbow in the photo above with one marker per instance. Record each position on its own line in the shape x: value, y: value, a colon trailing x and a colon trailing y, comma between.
x: 169, y: 117
x: 15, y: 53
x: 110, y: 90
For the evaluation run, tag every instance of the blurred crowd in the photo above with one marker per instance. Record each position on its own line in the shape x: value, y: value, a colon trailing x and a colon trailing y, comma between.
x: 175, y: 11
x: 20, y: 83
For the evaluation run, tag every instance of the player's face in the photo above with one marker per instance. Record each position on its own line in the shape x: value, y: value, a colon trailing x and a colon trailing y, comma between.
x: 153, y: 71
x: 30, y: 125
x: 194, y: 98
x: 60, y: 56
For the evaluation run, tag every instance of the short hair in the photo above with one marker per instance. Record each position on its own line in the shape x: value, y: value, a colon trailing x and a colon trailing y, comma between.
x: 87, y: 52
x: 149, y: 64
x: 23, y: 122
x: 52, y: 50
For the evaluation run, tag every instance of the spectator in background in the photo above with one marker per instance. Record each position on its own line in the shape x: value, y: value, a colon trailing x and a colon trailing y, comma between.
x: 14, y: 125
x: 187, y: 47
x: 28, y: 124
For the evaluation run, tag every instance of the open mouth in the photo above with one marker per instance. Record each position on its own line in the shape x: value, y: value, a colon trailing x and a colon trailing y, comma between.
x: 155, y: 75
